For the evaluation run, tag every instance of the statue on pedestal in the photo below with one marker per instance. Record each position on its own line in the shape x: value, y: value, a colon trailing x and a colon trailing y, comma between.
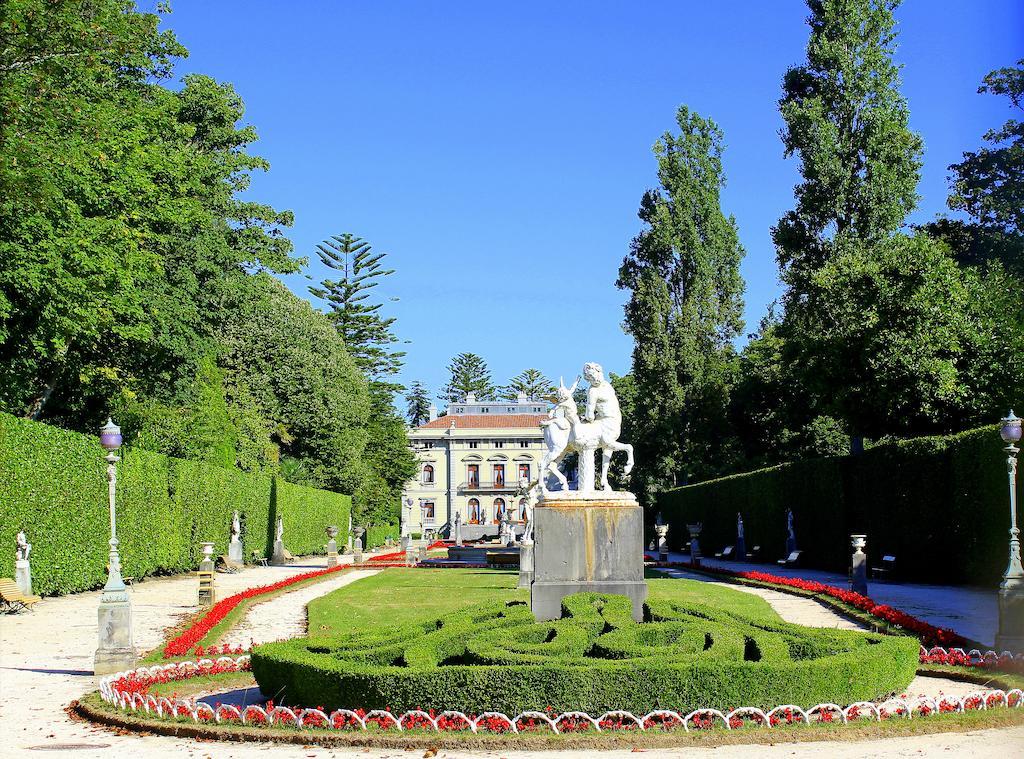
x: 22, y: 547
x: 565, y: 432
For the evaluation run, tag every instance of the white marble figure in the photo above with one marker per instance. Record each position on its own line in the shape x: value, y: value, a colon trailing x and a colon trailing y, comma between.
x: 23, y: 548
x: 565, y: 432
x: 280, y: 529
x: 236, y: 527
x: 739, y: 525
x: 789, y: 525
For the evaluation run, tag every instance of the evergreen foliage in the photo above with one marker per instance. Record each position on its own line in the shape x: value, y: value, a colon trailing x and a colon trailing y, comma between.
x: 684, y: 310
x: 531, y: 383
x: 417, y: 404
x: 468, y: 374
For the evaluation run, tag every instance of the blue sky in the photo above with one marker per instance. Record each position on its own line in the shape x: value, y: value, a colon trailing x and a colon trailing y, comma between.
x: 498, y: 152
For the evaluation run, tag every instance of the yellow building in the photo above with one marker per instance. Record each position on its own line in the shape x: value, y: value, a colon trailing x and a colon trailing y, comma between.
x: 470, y: 462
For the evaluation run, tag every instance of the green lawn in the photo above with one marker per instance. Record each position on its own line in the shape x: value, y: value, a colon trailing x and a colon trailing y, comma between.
x: 406, y: 595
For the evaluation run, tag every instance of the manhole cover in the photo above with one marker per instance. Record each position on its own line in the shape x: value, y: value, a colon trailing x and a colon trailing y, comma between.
x: 68, y: 746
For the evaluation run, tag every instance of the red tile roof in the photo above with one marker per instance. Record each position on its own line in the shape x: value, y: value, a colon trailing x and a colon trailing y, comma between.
x: 482, y: 421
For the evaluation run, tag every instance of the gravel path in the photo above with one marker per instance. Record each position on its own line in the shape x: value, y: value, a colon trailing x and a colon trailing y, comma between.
x: 285, y: 616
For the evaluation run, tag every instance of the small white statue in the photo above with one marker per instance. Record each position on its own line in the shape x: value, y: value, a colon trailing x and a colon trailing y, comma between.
x: 280, y: 528
x: 24, y: 548
x: 236, y: 527
x: 739, y: 525
x: 789, y: 525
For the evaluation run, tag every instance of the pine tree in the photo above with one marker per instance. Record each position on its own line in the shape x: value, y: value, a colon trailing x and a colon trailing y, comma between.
x: 685, y: 309
x: 418, y: 404
x: 366, y: 333
x: 469, y: 374
x: 531, y: 383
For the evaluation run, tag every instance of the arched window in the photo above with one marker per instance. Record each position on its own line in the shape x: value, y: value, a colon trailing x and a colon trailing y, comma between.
x: 522, y: 510
x: 475, y: 517
x: 499, y: 509
x: 428, y: 474
x: 524, y: 472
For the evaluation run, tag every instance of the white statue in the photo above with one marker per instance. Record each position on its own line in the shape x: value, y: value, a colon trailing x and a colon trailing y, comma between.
x: 236, y: 527
x: 789, y: 525
x: 24, y: 548
x: 564, y: 431
x: 280, y: 529
x: 739, y: 525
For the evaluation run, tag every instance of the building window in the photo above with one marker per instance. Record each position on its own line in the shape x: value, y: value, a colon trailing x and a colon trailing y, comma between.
x: 428, y: 444
x: 524, y: 472
x: 475, y: 517
x: 428, y: 511
x: 428, y: 474
x: 459, y: 410
x: 538, y: 409
x: 524, y: 443
x: 499, y: 509
x: 522, y: 509
x: 485, y: 410
x: 499, y: 443
x: 473, y: 475
x: 499, y: 475
x: 474, y: 444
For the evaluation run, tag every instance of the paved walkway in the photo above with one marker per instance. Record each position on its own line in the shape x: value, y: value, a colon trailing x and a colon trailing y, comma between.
x: 972, y: 612
x: 46, y: 660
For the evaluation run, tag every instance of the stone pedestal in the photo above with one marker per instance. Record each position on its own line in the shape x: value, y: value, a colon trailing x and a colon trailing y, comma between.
x: 1011, y: 617
x: 115, y: 652
x: 741, y: 549
x: 587, y: 542
x: 332, y: 553
x: 525, y: 563
x: 23, y: 576
x: 278, y: 559
x: 661, y: 530
x: 235, y: 552
x: 695, y: 531
x: 458, y: 532
x: 422, y: 552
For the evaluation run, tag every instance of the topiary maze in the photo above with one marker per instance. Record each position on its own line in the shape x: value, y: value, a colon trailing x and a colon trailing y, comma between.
x: 497, y: 657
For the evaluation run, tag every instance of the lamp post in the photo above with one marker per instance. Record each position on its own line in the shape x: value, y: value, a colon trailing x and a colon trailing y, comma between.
x: 1011, y: 589
x: 115, y: 651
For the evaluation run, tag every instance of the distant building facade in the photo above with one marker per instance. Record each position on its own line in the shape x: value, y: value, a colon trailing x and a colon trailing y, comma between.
x: 470, y: 462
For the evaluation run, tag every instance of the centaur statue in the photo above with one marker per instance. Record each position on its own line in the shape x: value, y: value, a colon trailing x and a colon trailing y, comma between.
x: 564, y: 431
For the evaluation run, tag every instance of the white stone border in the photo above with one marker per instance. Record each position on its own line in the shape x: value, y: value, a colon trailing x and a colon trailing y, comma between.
x: 346, y: 719
x: 974, y: 656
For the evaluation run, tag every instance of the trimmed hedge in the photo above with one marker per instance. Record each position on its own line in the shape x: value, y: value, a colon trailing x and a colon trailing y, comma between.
x: 53, y: 483
x: 497, y: 657
x: 376, y: 534
x: 939, y: 504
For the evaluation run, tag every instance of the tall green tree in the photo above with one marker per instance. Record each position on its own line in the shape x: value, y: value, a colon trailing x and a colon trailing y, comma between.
x: 530, y: 382
x: 468, y: 373
x: 417, y: 404
x: 366, y: 333
x: 847, y: 123
x: 684, y: 310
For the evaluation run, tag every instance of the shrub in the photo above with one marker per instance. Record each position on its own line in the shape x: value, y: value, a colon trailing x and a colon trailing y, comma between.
x: 377, y: 534
x: 53, y: 483
x: 497, y: 657
x: 939, y: 504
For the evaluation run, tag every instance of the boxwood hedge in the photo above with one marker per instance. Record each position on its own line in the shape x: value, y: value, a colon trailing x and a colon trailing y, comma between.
x: 53, y: 483
x: 939, y: 504
x: 497, y: 657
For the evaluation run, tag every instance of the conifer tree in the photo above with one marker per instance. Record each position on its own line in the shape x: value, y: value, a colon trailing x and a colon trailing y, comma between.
x: 367, y: 334
x: 417, y: 404
x: 469, y: 374
x: 531, y: 383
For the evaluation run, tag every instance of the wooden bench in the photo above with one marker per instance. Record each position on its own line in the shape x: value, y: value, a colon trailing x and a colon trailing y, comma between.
x: 12, y: 597
x: 754, y: 554
x: 725, y: 553
x: 288, y: 556
x: 502, y: 559
x: 224, y: 564
x: 792, y: 560
x: 258, y: 558
x: 887, y: 570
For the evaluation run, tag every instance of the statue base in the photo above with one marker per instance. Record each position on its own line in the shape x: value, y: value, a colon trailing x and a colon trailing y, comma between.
x: 23, y: 576
x: 278, y: 558
x: 235, y: 552
x: 587, y: 541
x: 115, y: 652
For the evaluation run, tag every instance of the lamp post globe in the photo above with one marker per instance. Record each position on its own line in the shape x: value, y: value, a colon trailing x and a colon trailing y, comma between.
x: 1010, y: 431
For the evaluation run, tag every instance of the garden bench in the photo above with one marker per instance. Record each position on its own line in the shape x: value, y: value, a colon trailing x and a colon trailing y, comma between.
x: 12, y: 597
x: 258, y: 558
x: 792, y: 560
x: 225, y: 564
x: 887, y: 570
x: 288, y: 556
x: 754, y: 554
x: 725, y: 553
x: 502, y: 559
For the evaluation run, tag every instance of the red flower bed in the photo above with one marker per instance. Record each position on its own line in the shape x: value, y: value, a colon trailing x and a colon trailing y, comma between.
x: 397, y: 558
x: 183, y: 644
x: 929, y: 635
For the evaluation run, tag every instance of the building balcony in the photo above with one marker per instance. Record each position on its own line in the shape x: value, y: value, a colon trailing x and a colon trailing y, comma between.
x: 493, y: 485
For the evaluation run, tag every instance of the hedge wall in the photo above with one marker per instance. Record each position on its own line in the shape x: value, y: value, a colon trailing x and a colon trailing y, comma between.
x: 498, y: 657
x: 376, y: 534
x: 53, y: 483
x: 939, y: 504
